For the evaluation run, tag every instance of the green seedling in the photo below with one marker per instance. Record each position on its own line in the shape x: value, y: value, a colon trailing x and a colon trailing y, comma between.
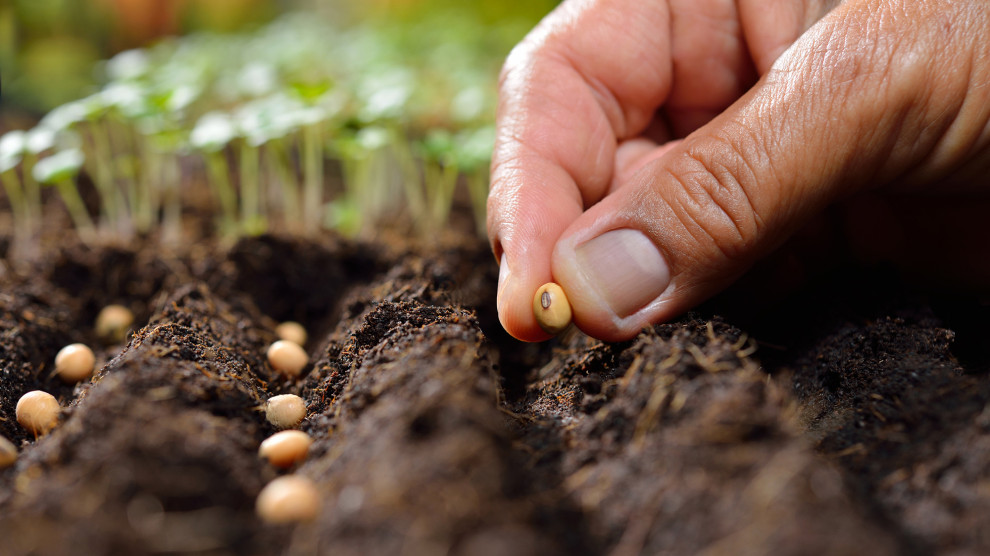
x: 212, y: 134
x: 59, y: 170
x: 439, y: 177
x: 11, y: 151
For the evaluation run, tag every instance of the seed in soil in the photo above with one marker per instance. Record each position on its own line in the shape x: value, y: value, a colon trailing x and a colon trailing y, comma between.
x: 291, y: 331
x: 285, y: 411
x: 285, y: 449
x: 112, y: 324
x: 8, y: 453
x: 288, y: 358
x: 37, y: 412
x: 551, y: 308
x: 74, y: 363
x: 288, y: 499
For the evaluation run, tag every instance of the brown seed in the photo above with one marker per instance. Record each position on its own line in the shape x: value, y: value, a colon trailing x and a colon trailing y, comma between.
x: 288, y: 499
x: 285, y: 449
x: 551, y: 308
x: 287, y: 358
x: 291, y: 331
x: 8, y: 453
x: 112, y: 323
x: 37, y: 412
x: 285, y: 411
x: 74, y: 363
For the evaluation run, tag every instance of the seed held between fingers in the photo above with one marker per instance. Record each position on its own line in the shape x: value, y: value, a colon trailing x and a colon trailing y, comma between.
x: 8, y: 453
x: 285, y: 411
x: 288, y: 358
x: 285, y: 449
x: 551, y: 308
x: 74, y: 363
x: 37, y: 412
x: 288, y: 499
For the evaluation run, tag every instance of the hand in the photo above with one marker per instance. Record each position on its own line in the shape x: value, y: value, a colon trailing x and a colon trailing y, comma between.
x: 649, y: 153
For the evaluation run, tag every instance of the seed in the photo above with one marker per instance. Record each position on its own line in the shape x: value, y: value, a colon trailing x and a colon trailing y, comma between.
x: 288, y: 499
x: 551, y: 309
x: 291, y: 331
x: 8, y: 453
x: 285, y: 411
x: 285, y: 449
x: 74, y: 363
x: 287, y: 358
x: 112, y: 323
x: 37, y: 412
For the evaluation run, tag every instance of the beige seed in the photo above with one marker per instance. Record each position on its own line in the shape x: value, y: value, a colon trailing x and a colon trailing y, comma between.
x: 291, y: 331
x: 285, y: 449
x: 288, y: 499
x: 8, y: 453
x: 112, y: 323
x: 287, y: 358
x: 74, y: 363
x: 37, y: 412
x: 551, y: 308
x: 285, y: 411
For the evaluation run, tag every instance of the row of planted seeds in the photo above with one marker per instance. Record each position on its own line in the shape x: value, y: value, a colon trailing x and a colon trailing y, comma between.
x: 397, y: 116
x: 286, y: 499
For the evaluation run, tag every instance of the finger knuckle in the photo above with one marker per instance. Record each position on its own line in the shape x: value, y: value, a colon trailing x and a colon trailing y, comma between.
x: 715, y: 203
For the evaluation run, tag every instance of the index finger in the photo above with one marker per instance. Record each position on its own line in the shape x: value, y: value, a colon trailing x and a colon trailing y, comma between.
x: 564, y: 103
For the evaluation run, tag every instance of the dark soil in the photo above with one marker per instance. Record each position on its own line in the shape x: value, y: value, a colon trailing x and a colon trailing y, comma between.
x: 852, y: 418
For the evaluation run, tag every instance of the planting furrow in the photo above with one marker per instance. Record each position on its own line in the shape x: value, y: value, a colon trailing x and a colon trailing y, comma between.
x: 159, y: 453
x: 416, y: 455
x: 678, y: 443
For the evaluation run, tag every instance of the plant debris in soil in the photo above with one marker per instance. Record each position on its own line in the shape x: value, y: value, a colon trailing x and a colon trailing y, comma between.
x: 836, y: 424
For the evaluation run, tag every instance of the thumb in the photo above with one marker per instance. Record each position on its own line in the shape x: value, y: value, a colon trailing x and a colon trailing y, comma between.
x: 850, y: 106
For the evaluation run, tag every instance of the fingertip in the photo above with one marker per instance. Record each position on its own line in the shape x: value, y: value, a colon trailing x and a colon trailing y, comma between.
x: 515, y: 309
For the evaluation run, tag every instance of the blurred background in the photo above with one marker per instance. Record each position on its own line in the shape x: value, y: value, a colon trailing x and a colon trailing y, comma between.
x: 50, y: 49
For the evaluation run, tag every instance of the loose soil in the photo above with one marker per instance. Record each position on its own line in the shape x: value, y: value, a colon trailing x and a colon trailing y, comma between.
x: 851, y: 418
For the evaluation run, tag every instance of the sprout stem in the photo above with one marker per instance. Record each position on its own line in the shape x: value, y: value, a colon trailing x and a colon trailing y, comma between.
x: 32, y: 193
x: 415, y: 196
x: 15, y: 194
x: 77, y: 209
x: 103, y: 177
x: 251, y: 218
x: 278, y: 162
x: 477, y: 184
x: 313, y: 178
x: 216, y: 165
x: 171, y: 182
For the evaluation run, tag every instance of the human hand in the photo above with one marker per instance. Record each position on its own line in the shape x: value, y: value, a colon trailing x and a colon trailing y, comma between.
x: 880, y: 108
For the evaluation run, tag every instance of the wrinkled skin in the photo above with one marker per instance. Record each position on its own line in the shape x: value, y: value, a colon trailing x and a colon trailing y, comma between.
x: 719, y: 131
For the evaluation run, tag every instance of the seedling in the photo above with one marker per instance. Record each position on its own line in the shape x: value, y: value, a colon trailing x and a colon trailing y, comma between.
x: 551, y: 308
x: 11, y: 151
x: 288, y: 499
x: 74, y: 363
x: 60, y: 169
x: 8, y: 453
x: 212, y: 134
x: 286, y: 448
x: 113, y: 323
x: 37, y: 412
x: 292, y: 331
x: 285, y: 411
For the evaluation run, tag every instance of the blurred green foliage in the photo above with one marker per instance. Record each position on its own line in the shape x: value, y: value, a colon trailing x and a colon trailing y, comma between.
x: 321, y: 118
x: 48, y: 48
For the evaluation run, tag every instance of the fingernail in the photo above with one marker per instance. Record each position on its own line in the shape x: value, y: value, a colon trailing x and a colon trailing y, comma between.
x: 625, y: 268
x: 503, y: 277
